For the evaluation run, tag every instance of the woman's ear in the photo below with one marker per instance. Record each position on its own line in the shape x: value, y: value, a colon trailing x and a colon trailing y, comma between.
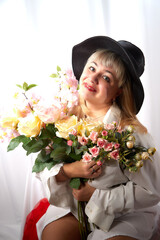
x: 119, y: 92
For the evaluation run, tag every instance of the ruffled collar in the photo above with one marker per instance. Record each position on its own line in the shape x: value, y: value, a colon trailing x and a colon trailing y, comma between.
x: 113, y: 114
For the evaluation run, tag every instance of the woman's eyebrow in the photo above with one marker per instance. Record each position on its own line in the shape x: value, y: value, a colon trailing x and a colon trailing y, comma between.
x: 105, y: 70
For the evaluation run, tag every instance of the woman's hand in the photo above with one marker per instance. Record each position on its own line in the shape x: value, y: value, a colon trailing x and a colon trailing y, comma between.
x: 84, y: 193
x: 83, y: 170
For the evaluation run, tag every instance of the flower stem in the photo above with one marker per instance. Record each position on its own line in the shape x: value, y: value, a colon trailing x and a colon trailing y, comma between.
x: 83, y: 221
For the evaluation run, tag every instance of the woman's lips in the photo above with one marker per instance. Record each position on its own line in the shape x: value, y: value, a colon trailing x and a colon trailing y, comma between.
x: 90, y: 88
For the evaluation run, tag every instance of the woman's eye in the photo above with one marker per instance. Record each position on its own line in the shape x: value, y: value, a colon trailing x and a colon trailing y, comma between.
x: 106, y: 78
x: 92, y: 69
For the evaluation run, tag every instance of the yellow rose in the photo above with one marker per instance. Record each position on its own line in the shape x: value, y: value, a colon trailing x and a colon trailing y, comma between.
x: 86, y: 126
x: 9, y: 122
x: 29, y: 126
x: 66, y: 126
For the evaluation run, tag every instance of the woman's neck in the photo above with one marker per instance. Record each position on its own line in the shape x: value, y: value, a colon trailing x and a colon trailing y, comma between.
x: 96, y: 113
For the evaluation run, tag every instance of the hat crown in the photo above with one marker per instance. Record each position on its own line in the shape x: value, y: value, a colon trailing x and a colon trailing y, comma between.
x: 136, y: 56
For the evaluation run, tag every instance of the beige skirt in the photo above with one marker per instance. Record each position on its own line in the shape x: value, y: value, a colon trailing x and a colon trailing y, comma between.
x: 138, y: 225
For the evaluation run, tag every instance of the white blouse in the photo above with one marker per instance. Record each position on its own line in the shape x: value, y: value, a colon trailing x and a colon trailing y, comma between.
x: 117, y: 193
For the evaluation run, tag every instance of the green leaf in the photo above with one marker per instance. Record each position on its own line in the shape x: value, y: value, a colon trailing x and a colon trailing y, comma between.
x: 19, y: 86
x: 68, y: 150
x: 75, y: 183
x: 75, y: 156
x: 54, y: 75
x: 35, y: 146
x: 72, y: 137
x: 80, y: 150
x: 48, y: 132
x: 16, y: 141
x: 59, y: 154
x: 49, y: 165
x: 58, y: 69
x: 25, y: 86
x: 43, y: 157
x: 31, y: 86
x: 38, y: 167
x: 118, y: 136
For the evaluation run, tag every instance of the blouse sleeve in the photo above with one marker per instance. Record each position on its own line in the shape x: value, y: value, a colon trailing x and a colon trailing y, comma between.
x: 141, y: 191
x: 58, y: 193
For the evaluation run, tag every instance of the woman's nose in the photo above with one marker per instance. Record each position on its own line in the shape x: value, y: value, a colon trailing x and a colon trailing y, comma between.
x: 94, y: 78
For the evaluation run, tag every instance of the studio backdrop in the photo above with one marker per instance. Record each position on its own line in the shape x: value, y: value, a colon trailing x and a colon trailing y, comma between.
x: 38, y: 35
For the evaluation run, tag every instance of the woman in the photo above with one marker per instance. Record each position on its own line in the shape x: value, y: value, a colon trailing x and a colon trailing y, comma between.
x: 120, y: 204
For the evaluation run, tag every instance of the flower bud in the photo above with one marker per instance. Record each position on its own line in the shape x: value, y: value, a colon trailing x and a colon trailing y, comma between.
x: 145, y: 155
x: 151, y: 151
x: 138, y: 156
x: 130, y: 144
x: 131, y: 138
x: 99, y: 163
x: 139, y: 164
x: 130, y: 129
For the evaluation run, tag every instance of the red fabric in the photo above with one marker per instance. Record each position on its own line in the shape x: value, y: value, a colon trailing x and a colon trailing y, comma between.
x: 30, y: 231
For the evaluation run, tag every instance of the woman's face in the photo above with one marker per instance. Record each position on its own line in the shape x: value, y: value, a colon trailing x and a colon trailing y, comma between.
x: 98, y: 85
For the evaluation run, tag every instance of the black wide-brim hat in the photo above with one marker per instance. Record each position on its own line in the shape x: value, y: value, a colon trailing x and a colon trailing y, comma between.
x: 130, y: 54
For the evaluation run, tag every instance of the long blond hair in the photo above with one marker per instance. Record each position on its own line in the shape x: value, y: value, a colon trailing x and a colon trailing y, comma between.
x: 125, y: 100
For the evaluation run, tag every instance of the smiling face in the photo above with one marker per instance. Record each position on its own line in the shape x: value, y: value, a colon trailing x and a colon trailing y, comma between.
x: 98, y: 85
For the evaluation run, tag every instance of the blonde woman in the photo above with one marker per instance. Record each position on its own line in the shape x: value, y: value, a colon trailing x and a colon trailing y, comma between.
x: 120, y: 204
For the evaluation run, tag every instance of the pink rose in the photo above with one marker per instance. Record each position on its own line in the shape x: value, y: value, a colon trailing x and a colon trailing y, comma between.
x: 83, y: 140
x: 116, y: 145
x: 101, y: 142
x: 104, y: 133
x: 114, y: 154
x: 109, y: 126
x: 69, y: 142
x: 108, y: 146
x: 93, y: 136
x: 87, y: 157
x: 94, y: 151
x: 99, y: 163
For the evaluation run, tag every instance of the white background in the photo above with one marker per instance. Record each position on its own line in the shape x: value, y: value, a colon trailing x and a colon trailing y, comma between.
x: 38, y: 35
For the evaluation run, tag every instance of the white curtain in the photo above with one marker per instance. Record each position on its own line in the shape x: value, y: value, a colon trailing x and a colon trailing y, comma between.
x: 38, y: 35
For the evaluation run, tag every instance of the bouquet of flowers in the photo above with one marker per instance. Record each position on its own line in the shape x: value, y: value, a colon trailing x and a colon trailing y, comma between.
x: 31, y: 122
x: 43, y: 123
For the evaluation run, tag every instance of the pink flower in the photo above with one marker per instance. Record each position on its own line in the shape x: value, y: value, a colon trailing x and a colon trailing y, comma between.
x: 109, y: 126
x: 114, y: 154
x: 48, y: 150
x: 108, y: 146
x: 69, y: 142
x: 104, y: 133
x: 94, y: 151
x: 116, y: 145
x: 99, y: 163
x: 48, y: 114
x: 87, y: 157
x: 93, y: 136
x: 82, y: 140
x: 101, y: 142
x: 73, y: 132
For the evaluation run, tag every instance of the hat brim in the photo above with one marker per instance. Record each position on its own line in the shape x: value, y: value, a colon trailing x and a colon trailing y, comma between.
x: 82, y: 51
